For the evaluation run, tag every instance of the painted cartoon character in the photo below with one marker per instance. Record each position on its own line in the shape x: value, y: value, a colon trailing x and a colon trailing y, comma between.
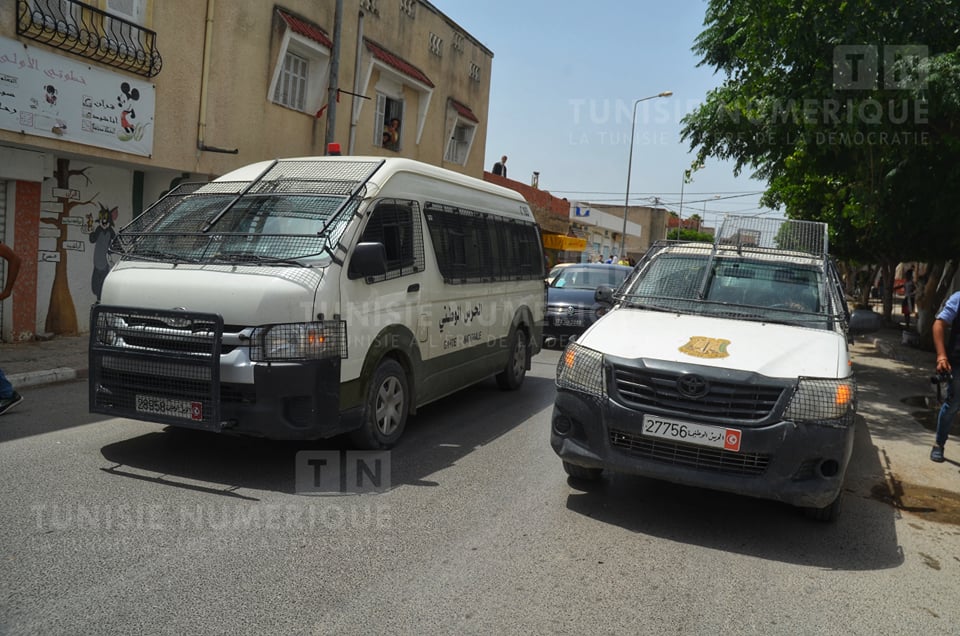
x: 48, y: 108
x: 125, y: 101
x: 101, y: 237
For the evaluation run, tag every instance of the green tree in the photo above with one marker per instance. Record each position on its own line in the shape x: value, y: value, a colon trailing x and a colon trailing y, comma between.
x: 879, y: 161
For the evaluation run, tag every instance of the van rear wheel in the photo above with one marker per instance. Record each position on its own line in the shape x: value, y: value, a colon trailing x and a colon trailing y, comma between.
x: 516, y: 370
x: 386, y: 408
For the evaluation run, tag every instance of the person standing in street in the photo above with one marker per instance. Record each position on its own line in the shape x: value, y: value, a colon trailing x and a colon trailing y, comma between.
x: 9, y: 398
x: 500, y: 167
x: 948, y: 355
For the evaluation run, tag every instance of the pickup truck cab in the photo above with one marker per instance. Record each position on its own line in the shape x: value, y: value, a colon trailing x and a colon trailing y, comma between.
x: 721, y: 366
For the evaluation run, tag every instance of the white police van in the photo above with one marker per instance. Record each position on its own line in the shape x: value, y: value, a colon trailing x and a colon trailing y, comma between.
x: 305, y: 298
x: 722, y: 366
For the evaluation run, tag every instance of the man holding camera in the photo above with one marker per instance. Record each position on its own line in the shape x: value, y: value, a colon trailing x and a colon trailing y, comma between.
x: 948, y: 354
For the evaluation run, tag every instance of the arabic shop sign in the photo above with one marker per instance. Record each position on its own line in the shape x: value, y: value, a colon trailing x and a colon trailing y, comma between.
x: 48, y: 95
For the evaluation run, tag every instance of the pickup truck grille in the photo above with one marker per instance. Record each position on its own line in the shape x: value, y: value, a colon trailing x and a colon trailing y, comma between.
x: 712, y: 459
x: 642, y: 389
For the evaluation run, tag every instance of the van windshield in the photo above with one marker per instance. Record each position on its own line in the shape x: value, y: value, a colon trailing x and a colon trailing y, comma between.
x: 272, y: 228
x: 292, y: 214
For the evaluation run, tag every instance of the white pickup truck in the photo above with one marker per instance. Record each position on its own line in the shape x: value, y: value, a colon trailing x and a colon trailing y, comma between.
x: 722, y: 366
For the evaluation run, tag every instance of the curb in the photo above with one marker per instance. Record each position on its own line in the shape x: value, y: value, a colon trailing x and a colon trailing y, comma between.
x: 48, y: 376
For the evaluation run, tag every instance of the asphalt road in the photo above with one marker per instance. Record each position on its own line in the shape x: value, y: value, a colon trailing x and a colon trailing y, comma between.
x: 116, y: 527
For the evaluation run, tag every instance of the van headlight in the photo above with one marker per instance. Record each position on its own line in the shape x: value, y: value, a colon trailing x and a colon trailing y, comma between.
x: 299, y: 341
x: 820, y: 399
x: 581, y: 369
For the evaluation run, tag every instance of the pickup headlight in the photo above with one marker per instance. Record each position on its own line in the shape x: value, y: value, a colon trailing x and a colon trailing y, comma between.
x: 299, y: 341
x: 581, y: 369
x: 818, y: 399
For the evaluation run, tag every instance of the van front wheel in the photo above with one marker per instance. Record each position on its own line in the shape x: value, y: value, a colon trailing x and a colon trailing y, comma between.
x: 388, y: 402
x: 516, y: 370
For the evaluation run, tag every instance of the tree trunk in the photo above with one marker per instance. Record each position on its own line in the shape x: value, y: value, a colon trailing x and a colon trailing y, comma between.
x: 61, y: 314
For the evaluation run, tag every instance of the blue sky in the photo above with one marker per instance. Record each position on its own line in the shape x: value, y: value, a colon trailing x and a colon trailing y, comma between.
x: 565, y: 76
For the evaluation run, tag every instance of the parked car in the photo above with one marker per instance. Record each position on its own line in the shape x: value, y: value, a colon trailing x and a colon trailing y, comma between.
x: 720, y: 366
x: 555, y: 271
x: 571, y: 303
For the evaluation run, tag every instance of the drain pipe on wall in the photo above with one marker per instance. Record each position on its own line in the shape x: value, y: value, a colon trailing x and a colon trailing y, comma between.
x: 334, y: 75
x: 356, y: 87
x: 204, y: 89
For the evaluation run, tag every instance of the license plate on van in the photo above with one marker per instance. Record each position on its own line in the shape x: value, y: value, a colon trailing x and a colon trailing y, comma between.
x: 690, y: 433
x: 184, y: 409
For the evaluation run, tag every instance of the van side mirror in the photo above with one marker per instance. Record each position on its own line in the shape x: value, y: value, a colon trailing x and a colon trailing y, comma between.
x: 369, y: 259
x: 603, y: 295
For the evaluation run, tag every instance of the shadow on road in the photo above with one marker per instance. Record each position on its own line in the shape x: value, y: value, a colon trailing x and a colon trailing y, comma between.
x: 863, y: 538
x: 437, y: 437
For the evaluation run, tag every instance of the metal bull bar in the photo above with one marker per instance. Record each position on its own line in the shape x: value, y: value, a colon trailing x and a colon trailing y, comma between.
x: 156, y: 365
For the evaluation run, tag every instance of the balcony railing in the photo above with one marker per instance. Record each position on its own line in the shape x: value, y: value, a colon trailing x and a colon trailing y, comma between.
x: 88, y: 32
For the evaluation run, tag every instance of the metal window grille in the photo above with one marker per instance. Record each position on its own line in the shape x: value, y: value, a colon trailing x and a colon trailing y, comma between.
x: 396, y: 224
x: 475, y: 247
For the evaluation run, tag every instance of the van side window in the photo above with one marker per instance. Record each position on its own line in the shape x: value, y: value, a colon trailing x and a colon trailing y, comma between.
x: 476, y: 247
x: 397, y: 225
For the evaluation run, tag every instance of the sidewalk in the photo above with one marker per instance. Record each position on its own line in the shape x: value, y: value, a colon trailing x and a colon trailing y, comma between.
x: 39, y: 362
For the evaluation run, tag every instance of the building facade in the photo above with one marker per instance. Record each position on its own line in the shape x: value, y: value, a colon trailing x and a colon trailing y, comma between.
x: 106, y: 105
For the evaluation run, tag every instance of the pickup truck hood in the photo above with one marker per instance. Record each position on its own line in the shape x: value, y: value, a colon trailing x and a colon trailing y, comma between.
x: 774, y: 350
x: 243, y: 295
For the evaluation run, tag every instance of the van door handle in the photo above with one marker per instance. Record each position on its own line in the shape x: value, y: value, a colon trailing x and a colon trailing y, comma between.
x: 413, y: 288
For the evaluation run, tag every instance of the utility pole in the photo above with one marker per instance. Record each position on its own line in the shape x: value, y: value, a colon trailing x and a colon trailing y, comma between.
x: 334, y: 75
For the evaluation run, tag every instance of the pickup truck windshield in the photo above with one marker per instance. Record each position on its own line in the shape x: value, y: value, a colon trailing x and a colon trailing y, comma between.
x: 787, y: 289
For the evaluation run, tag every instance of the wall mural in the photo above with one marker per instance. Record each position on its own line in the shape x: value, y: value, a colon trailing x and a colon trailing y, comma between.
x: 75, y: 215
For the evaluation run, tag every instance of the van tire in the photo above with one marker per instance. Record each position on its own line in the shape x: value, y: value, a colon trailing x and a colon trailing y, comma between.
x: 513, y: 374
x: 386, y: 408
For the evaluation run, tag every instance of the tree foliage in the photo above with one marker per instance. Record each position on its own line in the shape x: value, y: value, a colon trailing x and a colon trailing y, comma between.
x: 849, y: 111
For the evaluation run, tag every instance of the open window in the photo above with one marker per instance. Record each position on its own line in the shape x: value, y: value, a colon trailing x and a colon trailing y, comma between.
x: 403, y: 94
x: 462, y: 126
x: 388, y: 133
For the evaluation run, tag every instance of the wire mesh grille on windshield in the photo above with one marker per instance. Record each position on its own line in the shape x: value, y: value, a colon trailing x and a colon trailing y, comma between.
x: 809, y: 237
x: 294, y: 209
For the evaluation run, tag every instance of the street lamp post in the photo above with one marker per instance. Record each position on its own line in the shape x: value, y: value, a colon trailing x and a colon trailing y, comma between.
x: 626, y: 201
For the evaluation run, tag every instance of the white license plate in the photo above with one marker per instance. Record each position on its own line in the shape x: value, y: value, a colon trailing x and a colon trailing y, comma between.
x: 184, y: 409
x: 690, y: 433
x: 568, y: 322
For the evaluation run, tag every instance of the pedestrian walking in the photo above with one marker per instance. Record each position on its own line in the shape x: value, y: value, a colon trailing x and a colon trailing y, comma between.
x: 9, y: 398
x: 948, y: 355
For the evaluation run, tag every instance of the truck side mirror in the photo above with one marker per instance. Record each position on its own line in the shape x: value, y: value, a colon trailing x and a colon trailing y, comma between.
x: 369, y: 259
x: 863, y: 321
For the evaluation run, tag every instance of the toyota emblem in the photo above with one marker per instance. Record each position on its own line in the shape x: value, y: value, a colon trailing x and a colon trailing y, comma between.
x: 692, y: 386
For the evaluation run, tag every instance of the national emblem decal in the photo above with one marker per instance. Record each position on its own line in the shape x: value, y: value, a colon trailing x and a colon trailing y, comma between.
x: 704, y: 347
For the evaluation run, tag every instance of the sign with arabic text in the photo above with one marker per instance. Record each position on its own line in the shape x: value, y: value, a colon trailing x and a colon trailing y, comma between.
x: 48, y: 95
